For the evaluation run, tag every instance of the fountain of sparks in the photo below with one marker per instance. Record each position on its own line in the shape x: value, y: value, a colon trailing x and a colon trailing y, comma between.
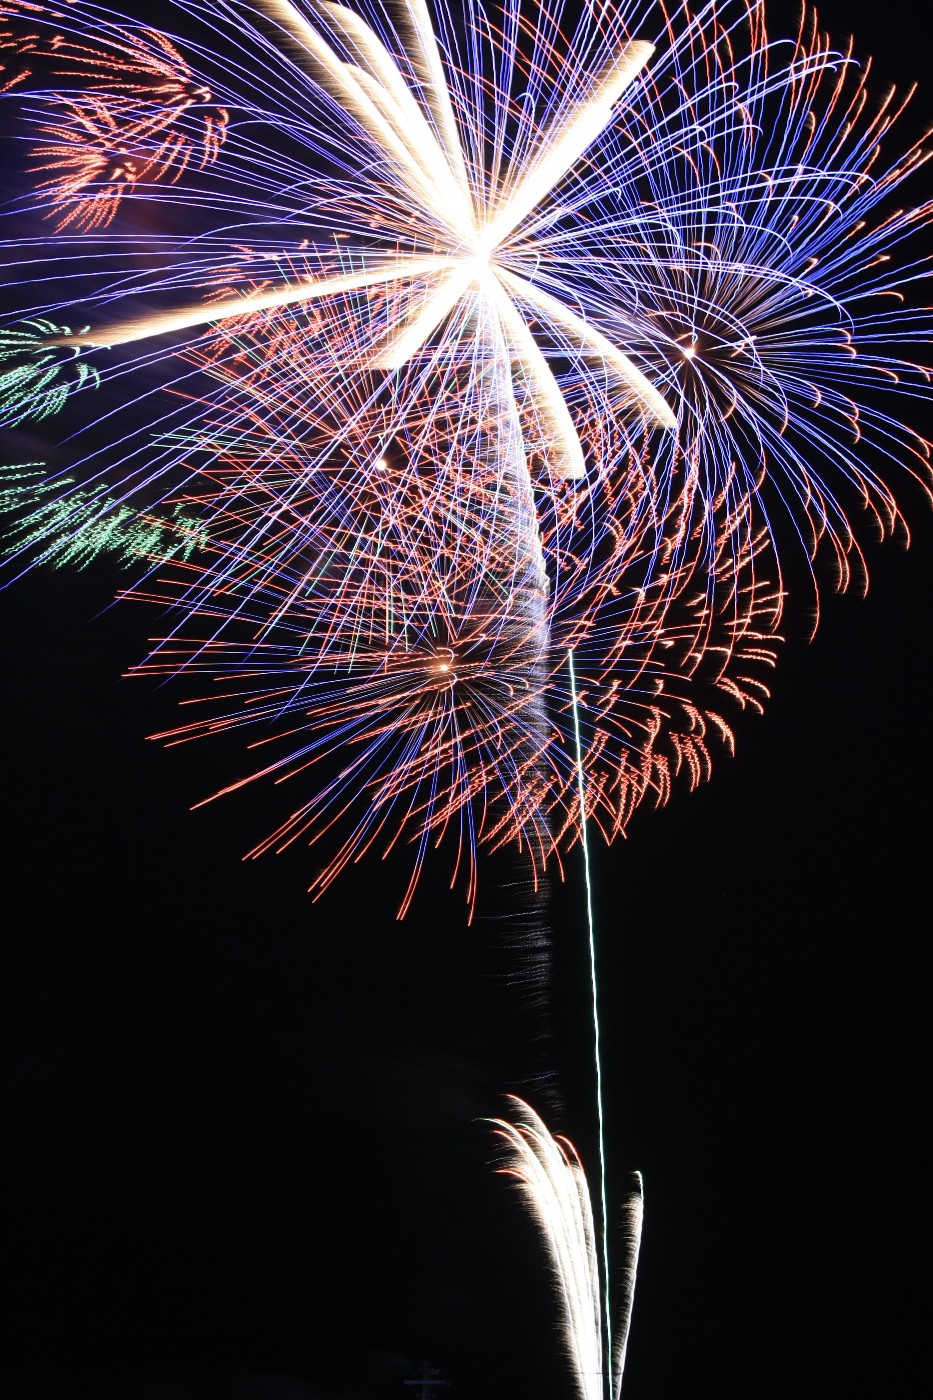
x: 553, y: 1186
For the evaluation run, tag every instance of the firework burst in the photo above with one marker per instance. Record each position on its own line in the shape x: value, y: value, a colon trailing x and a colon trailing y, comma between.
x: 479, y: 341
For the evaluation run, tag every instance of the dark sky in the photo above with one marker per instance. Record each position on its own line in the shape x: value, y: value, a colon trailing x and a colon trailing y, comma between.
x: 246, y: 1155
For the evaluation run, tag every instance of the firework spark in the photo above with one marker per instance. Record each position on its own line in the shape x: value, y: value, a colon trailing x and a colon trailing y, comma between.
x: 124, y: 110
x: 47, y: 527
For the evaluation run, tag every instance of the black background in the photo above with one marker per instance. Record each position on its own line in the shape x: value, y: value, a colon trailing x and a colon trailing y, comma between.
x: 246, y: 1149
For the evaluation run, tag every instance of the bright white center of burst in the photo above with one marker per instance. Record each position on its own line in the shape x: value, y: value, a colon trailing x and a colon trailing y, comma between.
x: 478, y: 263
x: 482, y: 244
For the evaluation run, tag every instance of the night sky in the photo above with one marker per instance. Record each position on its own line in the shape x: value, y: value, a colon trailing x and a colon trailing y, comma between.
x: 246, y: 1150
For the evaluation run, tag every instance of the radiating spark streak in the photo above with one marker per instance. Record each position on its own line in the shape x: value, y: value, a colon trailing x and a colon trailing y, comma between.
x: 430, y: 72
x: 562, y: 148
x: 594, y: 343
x: 428, y: 314
x: 581, y: 789
x: 563, y: 442
x: 448, y: 174
x: 207, y: 313
x: 425, y: 157
x: 345, y: 83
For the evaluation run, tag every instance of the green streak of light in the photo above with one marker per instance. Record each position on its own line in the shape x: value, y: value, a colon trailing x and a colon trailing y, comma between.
x: 599, y: 1074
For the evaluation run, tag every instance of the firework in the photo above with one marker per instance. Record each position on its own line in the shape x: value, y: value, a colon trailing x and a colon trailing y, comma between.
x: 16, y: 46
x: 553, y: 1185
x: 122, y: 109
x: 471, y: 345
x: 37, y: 373
x: 47, y: 527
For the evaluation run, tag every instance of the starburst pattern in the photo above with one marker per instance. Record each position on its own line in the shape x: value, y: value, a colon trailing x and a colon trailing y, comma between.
x: 481, y: 342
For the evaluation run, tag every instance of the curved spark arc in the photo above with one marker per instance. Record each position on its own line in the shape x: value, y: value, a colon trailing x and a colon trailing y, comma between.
x: 552, y: 1183
x: 633, y: 1216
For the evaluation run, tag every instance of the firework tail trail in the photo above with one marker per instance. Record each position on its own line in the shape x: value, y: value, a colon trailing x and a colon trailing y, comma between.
x: 599, y: 1075
x: 554, y: 1189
